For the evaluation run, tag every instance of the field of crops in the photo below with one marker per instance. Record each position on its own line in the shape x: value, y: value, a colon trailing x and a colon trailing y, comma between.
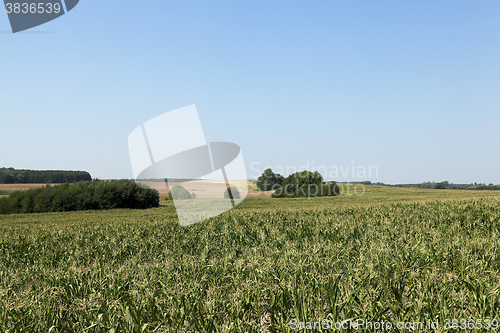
x: 392, y: 255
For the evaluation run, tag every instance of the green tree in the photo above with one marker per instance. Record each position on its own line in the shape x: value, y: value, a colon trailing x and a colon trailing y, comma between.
x: 301, y: 184
x: 441, y: 186
x: 329, y: 189
x: 269, y: 180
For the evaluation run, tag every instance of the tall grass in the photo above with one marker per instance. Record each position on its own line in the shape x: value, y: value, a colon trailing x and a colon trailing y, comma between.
x: 249, y: 270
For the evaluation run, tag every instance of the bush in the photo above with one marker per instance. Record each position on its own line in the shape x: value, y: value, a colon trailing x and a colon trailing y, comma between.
x: 179, y: 192
x: 83, y: 195
x: 232, y: 192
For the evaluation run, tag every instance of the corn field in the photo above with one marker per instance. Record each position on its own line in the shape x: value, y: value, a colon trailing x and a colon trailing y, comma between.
x: 252, y: 269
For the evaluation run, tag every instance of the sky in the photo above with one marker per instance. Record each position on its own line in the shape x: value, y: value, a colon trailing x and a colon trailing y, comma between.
x: 410, y: 89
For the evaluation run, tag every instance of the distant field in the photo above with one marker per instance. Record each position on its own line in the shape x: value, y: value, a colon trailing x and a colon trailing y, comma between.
x: 6, y: 189
x: 392, y: 254
x: 18, y: 187
x: 374, y: 195
x: 202, y: 188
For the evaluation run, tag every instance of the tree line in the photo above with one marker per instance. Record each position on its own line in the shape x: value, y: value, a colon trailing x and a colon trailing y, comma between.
x: 15, y: 176
x: 82, y: 195
x: 444, y: 185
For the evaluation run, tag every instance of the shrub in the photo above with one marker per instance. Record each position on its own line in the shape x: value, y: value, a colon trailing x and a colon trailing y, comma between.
x: 179, y: 192
x: 232, y: 192
x: 83, y: 195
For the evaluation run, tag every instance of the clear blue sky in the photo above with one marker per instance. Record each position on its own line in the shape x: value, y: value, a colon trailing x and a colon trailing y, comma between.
x: 411, y: 87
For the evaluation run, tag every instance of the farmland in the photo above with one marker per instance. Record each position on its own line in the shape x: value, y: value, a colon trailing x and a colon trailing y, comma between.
x: 391, y: 254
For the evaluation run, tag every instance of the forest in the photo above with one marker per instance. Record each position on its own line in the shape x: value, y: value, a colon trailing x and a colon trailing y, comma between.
x: 16, y: 176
